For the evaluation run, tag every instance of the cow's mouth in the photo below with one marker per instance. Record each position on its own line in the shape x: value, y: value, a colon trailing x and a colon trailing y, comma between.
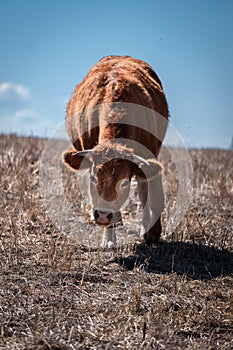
x: 111, y: 225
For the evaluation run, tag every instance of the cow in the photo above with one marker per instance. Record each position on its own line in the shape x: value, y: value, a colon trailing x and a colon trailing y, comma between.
x: 114, y: 146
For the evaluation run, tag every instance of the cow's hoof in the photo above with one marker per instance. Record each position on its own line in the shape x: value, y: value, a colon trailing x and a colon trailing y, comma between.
x: 106, y: 244
x: 151, y: 238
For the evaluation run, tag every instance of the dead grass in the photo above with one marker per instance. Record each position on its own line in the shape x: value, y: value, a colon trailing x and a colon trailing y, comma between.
x: 56, y: 294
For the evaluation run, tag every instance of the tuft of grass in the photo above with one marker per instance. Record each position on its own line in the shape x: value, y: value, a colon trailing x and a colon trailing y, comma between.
x: 56, y: 293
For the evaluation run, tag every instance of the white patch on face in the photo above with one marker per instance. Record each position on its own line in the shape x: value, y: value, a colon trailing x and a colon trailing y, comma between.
x: 122, y: 189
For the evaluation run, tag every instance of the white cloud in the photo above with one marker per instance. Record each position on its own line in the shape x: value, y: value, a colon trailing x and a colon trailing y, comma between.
x: 11, y: 90
x: 19, y: 111
x: 25, y: 122
x: 26, y: 115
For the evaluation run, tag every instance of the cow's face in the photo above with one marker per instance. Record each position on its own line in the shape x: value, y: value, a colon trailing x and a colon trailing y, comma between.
x: 110, y: 179
x: 109, y: 187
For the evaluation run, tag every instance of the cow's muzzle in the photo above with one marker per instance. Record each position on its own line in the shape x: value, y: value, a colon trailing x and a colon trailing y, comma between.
x: 106, y: 218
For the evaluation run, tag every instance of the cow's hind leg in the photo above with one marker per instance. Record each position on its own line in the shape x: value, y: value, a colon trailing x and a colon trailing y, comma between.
x: 152, y: 198
x: 153, y: 234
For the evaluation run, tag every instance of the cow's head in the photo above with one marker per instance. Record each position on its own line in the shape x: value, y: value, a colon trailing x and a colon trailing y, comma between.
x: 111, y: 170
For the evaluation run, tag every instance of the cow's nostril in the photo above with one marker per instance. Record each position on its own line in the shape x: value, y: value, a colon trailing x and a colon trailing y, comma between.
x: 110, y: 216
x: 96, y: 214
x: 102, y: 217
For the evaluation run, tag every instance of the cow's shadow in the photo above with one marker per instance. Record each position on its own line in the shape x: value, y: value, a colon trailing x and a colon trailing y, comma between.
x: 196, y: 261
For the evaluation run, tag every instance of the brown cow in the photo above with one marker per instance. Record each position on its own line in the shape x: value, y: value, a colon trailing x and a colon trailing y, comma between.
x: 116, y: 120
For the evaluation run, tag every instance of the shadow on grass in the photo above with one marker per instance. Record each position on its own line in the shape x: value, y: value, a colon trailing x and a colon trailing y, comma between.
x: 196, y: 261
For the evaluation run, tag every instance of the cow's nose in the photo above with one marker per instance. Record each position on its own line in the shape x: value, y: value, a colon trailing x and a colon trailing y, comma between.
x: 102, y: 218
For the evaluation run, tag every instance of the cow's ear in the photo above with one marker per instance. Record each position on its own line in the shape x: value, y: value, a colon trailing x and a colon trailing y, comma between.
x: 75, y: 161
x: 151, y: 170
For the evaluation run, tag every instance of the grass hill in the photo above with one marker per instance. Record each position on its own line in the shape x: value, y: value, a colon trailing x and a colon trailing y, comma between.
x: 56, y: 293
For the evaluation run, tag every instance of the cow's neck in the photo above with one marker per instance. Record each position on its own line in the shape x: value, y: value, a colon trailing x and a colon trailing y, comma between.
x: 108, y: 132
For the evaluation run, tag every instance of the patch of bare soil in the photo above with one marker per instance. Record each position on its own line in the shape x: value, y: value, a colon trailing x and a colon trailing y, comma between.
x: 56, y: 293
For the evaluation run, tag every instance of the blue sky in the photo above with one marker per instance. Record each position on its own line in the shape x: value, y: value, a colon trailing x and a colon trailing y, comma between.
x: 47, y: 47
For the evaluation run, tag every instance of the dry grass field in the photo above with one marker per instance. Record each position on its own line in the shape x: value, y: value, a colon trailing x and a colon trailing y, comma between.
x: 56, y: 293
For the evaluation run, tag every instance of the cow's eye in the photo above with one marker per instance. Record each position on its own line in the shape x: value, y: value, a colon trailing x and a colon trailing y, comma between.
x: 125, y: 183
x: 93, y: 179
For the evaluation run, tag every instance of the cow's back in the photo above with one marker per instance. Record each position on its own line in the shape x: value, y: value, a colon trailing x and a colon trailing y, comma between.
x: 112, y: 80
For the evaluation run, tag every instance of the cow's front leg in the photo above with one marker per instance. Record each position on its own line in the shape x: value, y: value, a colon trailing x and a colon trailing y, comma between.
x: 152, y: 198
x: 109, y: 237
